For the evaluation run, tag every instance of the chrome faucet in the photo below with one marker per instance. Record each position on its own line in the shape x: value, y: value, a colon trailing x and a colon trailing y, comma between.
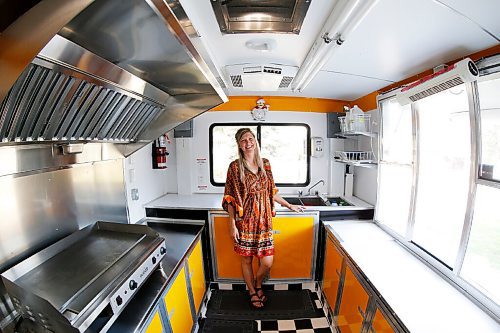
x: 310, y: 188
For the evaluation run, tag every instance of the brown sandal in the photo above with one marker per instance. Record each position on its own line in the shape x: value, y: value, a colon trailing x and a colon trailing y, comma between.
x: 263, y: 297
x: 256, y: 301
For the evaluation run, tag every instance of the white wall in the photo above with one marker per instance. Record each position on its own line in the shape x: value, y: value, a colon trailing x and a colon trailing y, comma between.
x: 151, y: 183
x: 196, y: 149
x: 365, y: 179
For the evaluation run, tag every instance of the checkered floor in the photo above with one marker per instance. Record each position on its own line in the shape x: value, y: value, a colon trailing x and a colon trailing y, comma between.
x: 312, y: 325
x: 303, y: 325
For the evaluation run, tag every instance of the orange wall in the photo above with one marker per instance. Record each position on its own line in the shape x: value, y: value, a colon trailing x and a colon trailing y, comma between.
x: 278, y: 103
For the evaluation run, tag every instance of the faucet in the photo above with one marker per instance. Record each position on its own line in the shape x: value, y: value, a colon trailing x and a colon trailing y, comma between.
x: 310, y: 188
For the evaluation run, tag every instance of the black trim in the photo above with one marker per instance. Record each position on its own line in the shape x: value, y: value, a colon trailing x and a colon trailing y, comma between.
x: 433, y: 256
x: 259, y: 139
x: 190, y: 214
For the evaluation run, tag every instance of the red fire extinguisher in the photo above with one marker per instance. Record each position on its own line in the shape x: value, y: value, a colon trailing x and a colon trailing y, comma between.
x: 160, y: 152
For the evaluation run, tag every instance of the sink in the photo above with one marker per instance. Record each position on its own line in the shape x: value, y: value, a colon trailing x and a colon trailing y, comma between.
x: 338, y: 201
x: 306, y: 201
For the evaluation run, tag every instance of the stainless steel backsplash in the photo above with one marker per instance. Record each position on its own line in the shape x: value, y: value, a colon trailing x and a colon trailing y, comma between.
x: 39, y: 207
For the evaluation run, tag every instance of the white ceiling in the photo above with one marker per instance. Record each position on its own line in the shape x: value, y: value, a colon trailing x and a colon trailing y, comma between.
x: 397, y: 39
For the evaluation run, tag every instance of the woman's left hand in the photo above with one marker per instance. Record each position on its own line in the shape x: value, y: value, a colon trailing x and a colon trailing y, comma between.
x: 297, y: 208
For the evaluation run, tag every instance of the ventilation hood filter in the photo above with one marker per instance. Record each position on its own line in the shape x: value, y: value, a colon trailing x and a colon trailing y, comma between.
x: 250, y: 16
x: 255, y: 77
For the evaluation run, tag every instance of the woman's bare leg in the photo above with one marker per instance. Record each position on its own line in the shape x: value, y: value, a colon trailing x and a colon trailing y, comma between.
x: 247, y: 270
x: 265, y: 265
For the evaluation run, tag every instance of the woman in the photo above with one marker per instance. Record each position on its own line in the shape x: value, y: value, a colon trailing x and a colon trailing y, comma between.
x: 249, y: 198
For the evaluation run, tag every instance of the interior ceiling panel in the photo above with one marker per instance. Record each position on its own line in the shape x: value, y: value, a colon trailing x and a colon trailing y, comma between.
x: 398, y: 46
x: 342, y: 86
x: 245, y: 16
x: 389, y: 45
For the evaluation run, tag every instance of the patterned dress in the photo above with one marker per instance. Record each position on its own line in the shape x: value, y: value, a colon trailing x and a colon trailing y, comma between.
x: 254, y: 206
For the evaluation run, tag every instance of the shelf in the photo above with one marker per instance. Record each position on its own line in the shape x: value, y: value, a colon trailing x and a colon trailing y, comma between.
x: 367, y: 134
x: 362, y: 164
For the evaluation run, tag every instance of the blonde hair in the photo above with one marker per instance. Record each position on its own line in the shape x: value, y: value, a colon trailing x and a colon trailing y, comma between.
x: 242, y: 163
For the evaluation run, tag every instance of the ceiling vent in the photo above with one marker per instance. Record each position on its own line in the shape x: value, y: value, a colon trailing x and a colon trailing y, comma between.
x: 254, y: 77
x: 250, y: 16
x: 449, y: 77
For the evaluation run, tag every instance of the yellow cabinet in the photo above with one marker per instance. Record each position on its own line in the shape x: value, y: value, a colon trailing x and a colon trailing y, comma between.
x: 294, y: 244
x: 197, y: 275
x: 380, y: 324
x: 177, y: 304
x: 155, y: 325
x: 226, y: 262
x: 294, y: 237
x: 332, y: 273
x: 353, y: 304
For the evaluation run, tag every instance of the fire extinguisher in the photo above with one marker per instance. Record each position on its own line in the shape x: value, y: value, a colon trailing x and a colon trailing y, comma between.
x: 160, y: 152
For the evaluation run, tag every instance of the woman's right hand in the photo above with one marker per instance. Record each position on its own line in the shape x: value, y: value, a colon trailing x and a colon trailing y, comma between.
x: 235, y: 234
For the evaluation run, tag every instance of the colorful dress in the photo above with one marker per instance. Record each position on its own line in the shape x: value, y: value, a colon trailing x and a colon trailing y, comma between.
x: 254, y: 207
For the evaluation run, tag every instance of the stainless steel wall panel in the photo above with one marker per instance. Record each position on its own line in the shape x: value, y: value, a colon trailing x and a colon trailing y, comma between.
x: 40, y: 208
x: 20, y: 159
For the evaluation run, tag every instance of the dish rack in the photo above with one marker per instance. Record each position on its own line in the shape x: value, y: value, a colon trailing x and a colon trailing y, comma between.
x: 354, y: 156
x: 355, y: 123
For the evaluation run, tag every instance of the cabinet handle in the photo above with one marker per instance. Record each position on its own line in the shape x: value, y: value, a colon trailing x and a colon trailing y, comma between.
x: 171, y: 313
x: 337, y: 271
x: 276, y: 232
x: 361, y: 312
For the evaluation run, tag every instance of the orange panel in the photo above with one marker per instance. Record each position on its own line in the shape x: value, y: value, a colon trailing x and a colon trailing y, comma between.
x: 331, y: 278
x: 380, y: 323
x: 228, y: 262
x: 293, y: 243
x: 354, y: 296
x: 277, y: 103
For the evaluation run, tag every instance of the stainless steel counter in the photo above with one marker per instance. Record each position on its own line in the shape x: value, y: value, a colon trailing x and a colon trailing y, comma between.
x: 179, y: 240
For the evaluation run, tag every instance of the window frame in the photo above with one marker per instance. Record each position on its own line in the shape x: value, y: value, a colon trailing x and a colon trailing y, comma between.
x: 451, y: 275
x: 259, y: 139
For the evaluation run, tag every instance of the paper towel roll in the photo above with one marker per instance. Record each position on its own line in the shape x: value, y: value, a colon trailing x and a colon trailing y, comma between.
x: 349, y: 183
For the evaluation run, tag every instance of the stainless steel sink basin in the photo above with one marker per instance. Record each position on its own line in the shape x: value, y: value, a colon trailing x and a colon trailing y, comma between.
x: 306, y: 201
x: 317, y: 201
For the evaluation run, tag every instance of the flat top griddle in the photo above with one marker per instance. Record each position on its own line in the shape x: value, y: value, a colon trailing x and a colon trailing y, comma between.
x: 81, y: 272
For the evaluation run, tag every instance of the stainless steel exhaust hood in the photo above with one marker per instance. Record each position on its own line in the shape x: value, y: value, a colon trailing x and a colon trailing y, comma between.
x: 121, y: 73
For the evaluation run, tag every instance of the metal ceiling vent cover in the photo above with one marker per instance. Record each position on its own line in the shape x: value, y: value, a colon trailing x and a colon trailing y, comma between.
x: 47, y: 105
x: 248, y: 16
x: 255, y: 77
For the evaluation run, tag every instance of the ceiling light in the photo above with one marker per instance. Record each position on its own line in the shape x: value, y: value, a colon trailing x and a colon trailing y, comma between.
x: 260, y: 44
x: 344, y: 18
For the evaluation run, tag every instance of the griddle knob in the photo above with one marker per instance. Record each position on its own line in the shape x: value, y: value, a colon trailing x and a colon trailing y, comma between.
x: 163, y: 250
x: 119, y: 300
x: 154, y: 260
x: 132, y: 284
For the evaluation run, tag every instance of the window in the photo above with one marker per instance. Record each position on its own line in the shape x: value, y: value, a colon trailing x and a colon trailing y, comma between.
x: 443, y: 204
x: 444, y: 157
x: 396, y: 166
x: 481, y: 266
x: 285, y: 145
x: 490, y: 127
